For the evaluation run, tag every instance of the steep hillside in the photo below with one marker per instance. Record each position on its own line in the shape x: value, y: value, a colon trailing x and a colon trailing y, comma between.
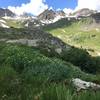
x: 84, y: 12
x: 82, y: 33
x: 47, y: 15
x: 96, y: 17
x: 50, y: 46
x: 6, y: 12
x: 26, y: 74
x: 50, y: 14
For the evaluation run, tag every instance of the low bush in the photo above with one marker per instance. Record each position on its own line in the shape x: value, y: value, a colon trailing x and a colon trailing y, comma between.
x: 30, y: 63
x: 81, y: 58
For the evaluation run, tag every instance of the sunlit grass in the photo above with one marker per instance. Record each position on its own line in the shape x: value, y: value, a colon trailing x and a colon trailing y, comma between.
x: 78, y: 36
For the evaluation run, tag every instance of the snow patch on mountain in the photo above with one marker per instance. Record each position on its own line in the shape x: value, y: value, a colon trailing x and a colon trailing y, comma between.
x: 3, y: 23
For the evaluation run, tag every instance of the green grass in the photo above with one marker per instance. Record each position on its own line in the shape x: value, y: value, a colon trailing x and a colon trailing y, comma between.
x: 77, y: 57
x: 27, y: 60
x: 61, y: 92
x: 78, y: 33
x: 26, y: 74
x: 14, y: 23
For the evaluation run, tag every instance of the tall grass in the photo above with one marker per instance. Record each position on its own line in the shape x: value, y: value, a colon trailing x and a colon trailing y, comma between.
x: 26, y: 74
x: 62, y: 92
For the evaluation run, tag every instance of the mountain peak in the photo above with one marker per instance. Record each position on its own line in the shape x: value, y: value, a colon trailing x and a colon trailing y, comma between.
x: 50, y: 14
x: 47, y: 14
x: 6, y: 12
x: 84, y: 12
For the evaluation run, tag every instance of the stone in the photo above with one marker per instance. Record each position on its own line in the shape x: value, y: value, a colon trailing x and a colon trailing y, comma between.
x: 83, y: 85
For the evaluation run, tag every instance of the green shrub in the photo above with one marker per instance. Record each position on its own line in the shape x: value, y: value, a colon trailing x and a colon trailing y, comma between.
x: 80, y: 58
x: 30, y: 63
x: 9, y: 83
x: 30, y: 75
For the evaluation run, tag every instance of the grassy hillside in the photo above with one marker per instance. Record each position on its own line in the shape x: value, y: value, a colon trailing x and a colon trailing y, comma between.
x: 26, y: 74
x: 52, y: 47
x: 24, y: 59
x: 83, y: 33
x: 16, y: 23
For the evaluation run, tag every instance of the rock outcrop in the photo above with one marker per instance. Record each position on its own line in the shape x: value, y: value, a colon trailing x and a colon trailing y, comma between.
x: 6, y: 12
x: 96, y: 17
x: 83, y: 85
x: 47, y: 15
x: 36, y: 38
x: 84, y: 12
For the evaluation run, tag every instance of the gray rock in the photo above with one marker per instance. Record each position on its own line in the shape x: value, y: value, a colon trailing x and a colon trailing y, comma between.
x: 58, y: 50
x: 24, y: 41
x: 83, y: 85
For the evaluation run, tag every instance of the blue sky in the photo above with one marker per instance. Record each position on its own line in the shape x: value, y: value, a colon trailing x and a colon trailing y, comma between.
x: 54, y: 3
x: 36, y: 7
x: 6, y: 3
x: 62, y: 3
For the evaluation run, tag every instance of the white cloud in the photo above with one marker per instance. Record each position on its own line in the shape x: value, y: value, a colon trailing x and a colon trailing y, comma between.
x: 91, y: 4
x: 34, y: 7
x: 51, y: 8
x: 67, y: 10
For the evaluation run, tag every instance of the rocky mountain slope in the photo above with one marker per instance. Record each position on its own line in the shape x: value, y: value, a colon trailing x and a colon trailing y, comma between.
x: 96, y: 17
x: 46, y: 17
x: 33, y: 37
x: 84, y: 12
x: 6, y: 12
x: 50, y: 14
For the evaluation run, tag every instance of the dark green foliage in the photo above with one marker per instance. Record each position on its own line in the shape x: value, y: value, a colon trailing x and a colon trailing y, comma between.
x: 30, y: 63
x: 26, y: 74
x: 76, y: 56
x: 9, y: 83
x: 97, y: 64
x: 80, y: 58
x: 59, y: 24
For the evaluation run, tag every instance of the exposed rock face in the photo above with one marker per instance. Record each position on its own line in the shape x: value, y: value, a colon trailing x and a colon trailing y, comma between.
x: 47, y: 15
x: 60, y: 13
x: 34, y: 37
x: 25, y: 42
x: 50, y: 14
x: 84, y: 12
x: 83, y: 85
x: 96, y: 17
x: 58, y: 50
x: 6, y: 12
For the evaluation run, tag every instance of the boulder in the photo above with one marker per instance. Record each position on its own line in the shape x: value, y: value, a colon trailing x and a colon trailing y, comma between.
x: 84, y: 85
